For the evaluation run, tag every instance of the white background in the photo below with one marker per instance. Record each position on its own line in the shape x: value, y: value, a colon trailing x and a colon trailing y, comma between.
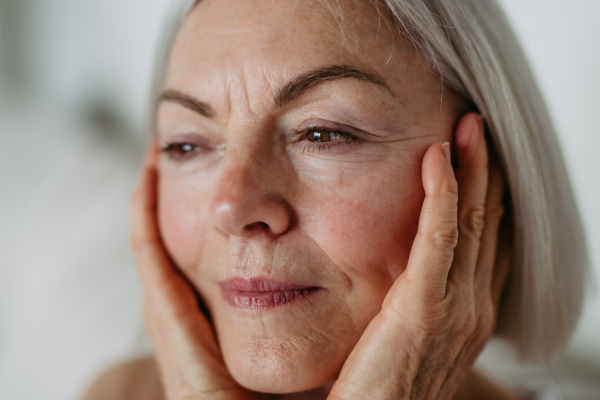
x: 71, y: 71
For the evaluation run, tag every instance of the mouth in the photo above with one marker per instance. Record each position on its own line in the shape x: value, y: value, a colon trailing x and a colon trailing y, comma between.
x: 263, y: 294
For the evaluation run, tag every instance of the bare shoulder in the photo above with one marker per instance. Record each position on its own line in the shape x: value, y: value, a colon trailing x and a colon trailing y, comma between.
x: 134, y: 380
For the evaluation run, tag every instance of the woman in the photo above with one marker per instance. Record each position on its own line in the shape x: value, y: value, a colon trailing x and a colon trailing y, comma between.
x: 325, y: 214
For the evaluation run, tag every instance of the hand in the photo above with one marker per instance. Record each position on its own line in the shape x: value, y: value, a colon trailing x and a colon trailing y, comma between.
x: 188, y: 356
x: 440, y: 312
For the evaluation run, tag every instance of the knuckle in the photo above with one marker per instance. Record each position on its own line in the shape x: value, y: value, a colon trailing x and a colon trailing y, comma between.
x: 444, y: 238
x: 472, y: 220
x: 467, y: 325
x: 481, y: 324
x: 470, y: 322
x: 465, y: 321
x: 423, y: 324
x: 450, y: 187
x: 495, y: 212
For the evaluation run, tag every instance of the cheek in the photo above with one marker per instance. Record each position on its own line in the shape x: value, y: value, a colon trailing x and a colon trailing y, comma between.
x: 366, y: 223
x: 182, y: 217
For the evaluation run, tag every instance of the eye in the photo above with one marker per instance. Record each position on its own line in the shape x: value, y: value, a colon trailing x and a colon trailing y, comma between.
x: 319, y: 136
x: 324, y: 139
x: 181, y: 151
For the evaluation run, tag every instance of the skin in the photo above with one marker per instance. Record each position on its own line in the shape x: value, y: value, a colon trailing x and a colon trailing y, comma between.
x: 373, y: 221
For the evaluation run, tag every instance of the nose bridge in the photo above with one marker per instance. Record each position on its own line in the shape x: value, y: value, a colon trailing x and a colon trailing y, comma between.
x: 250, y: 194
x: 239, y: 173
x: 246, y: 166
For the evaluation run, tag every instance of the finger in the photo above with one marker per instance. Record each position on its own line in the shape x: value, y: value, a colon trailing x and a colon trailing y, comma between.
x: 472, y: 178
x: 483, y: 272
x: 494, y: 210
x: 432, y: 251
x: 161, y: 281
x: 153, y: 263
x: 483, y: 276
x: 503, y: 260
x: 503, y: 263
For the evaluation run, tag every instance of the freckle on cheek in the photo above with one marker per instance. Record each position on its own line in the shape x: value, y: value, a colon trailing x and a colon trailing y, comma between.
x: 341, y: 178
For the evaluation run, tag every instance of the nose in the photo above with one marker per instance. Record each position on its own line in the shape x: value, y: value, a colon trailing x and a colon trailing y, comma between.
x: 249, y: 198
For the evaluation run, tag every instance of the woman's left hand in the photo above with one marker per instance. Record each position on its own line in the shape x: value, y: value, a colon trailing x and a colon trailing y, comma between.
x: 440, y: 312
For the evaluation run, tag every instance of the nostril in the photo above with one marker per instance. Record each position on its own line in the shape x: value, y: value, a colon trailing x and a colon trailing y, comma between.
x: 257, y: 226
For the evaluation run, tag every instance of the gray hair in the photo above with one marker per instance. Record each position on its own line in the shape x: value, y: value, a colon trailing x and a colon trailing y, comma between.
x: 473, y: 48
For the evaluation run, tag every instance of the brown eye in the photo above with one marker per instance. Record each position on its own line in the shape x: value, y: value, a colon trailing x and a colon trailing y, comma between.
x: 181, y: 151
x: 319, y: 136
x: 182, y: 148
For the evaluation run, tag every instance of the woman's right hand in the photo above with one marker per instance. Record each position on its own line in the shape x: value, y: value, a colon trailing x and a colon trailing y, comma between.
x: 189, y: 359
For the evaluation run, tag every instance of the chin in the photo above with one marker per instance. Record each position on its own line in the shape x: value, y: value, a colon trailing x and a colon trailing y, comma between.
x: 289, y: 348
x: 281, y: 366
x: 281, y: 336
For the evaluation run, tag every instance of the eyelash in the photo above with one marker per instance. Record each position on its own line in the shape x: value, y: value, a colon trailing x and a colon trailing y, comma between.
x: 176, y: 151
x: 328, y: 145
x: 184, y: 151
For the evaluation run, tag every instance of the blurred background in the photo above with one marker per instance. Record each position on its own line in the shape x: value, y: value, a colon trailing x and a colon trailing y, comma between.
x: 74, y: 86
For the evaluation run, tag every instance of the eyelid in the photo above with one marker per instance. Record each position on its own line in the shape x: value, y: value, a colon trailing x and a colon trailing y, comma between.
x: 192, y: 138
x: 301, y: 134
x: 318, y: 123
x: 324, y: 124
x: 173, y: 151
x: 201, y: 147
x: 344, y: 140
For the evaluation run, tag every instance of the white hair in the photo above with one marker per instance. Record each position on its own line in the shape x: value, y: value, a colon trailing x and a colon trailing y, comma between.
x: 473, y: 48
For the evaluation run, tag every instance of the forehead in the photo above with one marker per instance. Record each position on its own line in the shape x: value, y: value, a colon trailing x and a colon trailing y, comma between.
x: 289, y: 20
x: 278, y: 38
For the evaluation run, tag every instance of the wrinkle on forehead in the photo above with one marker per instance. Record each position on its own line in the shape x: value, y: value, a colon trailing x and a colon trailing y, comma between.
x: 352, y: 26
x: 354, y: 19
x: 258, y: 45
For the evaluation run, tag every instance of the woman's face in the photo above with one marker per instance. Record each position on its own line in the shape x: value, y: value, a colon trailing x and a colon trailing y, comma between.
x: 290, y: 178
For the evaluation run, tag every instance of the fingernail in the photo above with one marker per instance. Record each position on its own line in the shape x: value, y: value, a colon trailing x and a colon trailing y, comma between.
x: 446, y: 151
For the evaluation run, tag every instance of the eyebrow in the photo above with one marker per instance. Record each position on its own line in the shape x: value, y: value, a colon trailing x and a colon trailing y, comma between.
x: 187, y: 101
x: 302, y: 83
x: 289, y: 92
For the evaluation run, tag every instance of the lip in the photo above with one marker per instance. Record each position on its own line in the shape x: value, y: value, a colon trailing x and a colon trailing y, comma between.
x: 257, y: 294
